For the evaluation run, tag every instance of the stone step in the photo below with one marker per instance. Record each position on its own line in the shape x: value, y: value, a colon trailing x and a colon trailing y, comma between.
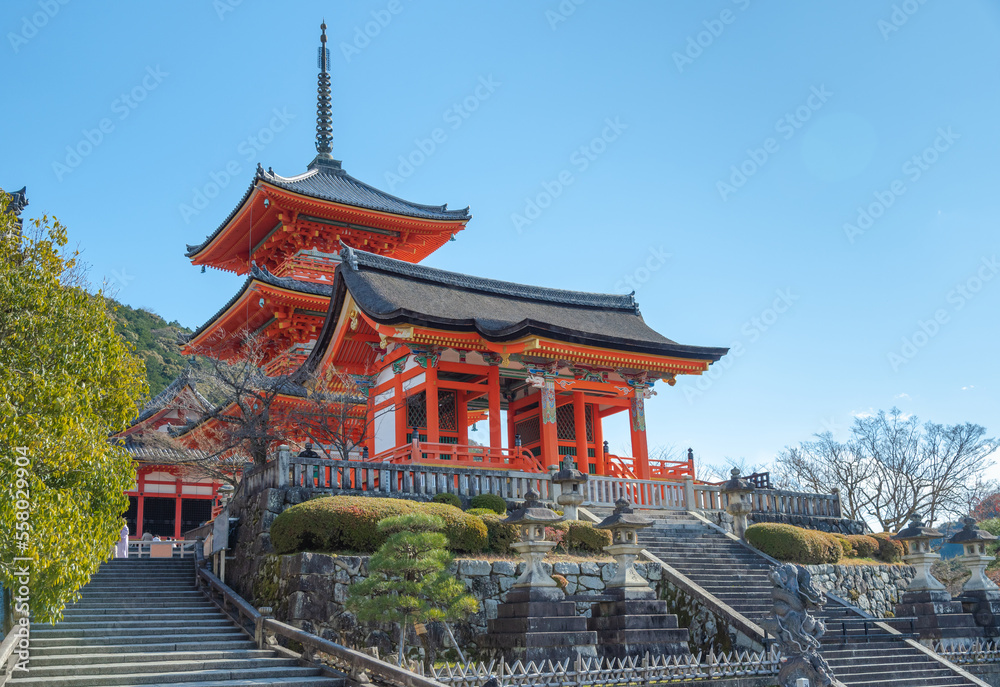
x: 138, y: 611
x: 167, y: 666
x: 145, y: 657
x: 132, y: 631
x: 140, y: 602
x: 238, y: 642
x: 194, y: 635
x: 170, y: 678
x: 164, y: 614
x: 112, y: 623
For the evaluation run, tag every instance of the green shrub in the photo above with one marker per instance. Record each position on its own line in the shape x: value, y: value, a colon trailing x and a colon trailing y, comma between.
x: 794, y: 544
x: 450, y: 499
x: 350, y: 523
x: 583, y: 536
x: 863, y: 545
x: 480, y: 511
x: 465, y: 532
x: 846, y: 547
x: 500, y: 535
x: 492, y: 501
x: 889, y: 550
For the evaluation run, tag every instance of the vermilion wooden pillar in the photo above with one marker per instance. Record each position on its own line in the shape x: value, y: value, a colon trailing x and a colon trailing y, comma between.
x: 493, y: 397
x: 602, y: 468
x: 637, y: 427
x: 580, y: 421
x: 550, y: 436
x: 433, y: 431
x: 399, y: 404
x: 177, y: 511
x: 462, y: 411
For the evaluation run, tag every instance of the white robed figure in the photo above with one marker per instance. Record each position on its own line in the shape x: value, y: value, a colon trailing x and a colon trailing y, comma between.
x: 121, y: 548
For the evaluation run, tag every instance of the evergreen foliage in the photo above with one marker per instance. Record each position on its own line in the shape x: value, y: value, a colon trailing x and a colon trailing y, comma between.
x: 408, y: 580
x: 491, y: 501
x: 67, y: 381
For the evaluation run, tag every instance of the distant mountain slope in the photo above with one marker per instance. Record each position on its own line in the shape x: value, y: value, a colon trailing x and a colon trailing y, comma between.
x: 155, y: 342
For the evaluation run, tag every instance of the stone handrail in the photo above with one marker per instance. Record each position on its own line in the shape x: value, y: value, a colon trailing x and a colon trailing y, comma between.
x: 351, y: 661
x: 393, y: 479
x: 415, y: 479
x: 7, y: 653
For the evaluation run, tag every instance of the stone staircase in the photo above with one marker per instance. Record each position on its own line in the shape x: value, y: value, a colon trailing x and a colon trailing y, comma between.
x: 143, y: 622
x: 737, y: 576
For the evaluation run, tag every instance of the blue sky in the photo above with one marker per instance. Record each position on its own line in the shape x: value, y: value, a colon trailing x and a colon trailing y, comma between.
x: 812, y: 184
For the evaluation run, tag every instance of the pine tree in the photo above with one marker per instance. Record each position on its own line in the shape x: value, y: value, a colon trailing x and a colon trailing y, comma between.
x: 408, y: 580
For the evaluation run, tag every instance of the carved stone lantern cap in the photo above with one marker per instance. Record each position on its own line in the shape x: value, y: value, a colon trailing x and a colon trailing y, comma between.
x: 970, y: 534
x: 624, y: 518
x: 226, y: 488
x: 917, y: 531
x: 532, y: 512
x: 569, y: 473
x: 736, y: 483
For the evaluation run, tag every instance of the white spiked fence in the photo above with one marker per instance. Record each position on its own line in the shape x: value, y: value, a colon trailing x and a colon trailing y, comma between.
x: 599, y: 672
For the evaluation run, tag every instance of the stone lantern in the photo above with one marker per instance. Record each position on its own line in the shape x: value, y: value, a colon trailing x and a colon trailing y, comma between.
x: 570, y: 481
x: 737, y: 491
x: 938, y: 616
x: 536, y: 622
x: 531, y: 519
x: 625, y: 524
x: 974, y: 541
x: 632, y: 622
x: 918, y: 536
x: 225, y: 493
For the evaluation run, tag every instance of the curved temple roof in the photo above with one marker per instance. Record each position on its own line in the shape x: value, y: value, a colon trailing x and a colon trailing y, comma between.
x: 394, y: 292
x: 327, y: 180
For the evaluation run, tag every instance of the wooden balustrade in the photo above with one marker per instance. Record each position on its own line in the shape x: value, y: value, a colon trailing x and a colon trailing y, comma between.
x: 437, y: 453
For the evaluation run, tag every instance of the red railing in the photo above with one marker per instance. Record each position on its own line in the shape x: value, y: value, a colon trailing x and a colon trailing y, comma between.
x: 460, y: 455
x: 669, y: 470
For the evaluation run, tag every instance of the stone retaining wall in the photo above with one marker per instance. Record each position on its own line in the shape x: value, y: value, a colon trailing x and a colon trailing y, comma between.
x: 872, y: 588
x: 308, y: 590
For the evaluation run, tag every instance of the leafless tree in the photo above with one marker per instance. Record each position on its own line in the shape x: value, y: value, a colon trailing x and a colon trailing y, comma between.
x: 892, y: 467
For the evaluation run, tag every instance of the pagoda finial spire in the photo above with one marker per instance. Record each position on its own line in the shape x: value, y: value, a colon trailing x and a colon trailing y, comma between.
x: 324, y: 117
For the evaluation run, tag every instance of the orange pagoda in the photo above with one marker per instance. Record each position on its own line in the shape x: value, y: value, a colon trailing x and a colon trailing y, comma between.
x: 334, y: 289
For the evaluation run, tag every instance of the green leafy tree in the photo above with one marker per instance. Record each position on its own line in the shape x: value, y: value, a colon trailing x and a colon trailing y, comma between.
x: 408, y: 580
x: 67, y: 381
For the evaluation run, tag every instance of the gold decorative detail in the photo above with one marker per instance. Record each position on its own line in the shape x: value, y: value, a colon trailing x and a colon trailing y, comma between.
x: 353, y: 315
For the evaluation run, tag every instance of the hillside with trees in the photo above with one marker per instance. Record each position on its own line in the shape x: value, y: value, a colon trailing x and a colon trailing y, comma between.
x: 155, y: 341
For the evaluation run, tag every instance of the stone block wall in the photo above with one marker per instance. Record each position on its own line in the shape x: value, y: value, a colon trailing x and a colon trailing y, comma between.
x: 308, y: 590
x: 872, y: 588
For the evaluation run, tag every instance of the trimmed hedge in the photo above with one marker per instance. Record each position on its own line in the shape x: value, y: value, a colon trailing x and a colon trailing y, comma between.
x: 491, y: 501
x: 339, y: 523
x: 845, y: 544
x: 583, y: 536
x: 863, y: 546
x: 889, y: 550
x: 450, y: 499
x: 480, y: 511
x: 794, y: 544
x: 499, y: 533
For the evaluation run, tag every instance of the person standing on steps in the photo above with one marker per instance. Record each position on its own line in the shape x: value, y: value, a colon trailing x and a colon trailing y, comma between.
x: 121, y: 548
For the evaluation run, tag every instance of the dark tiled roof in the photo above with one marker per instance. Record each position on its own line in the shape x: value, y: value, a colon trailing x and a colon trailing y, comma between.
x: 158, y: 402
x: 327, y: 180
x: 262, y: 275
x: 395, y: 292
x: 173, y: 456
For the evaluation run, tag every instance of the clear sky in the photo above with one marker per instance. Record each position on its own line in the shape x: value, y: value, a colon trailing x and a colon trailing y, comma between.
x: 811, y: 184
